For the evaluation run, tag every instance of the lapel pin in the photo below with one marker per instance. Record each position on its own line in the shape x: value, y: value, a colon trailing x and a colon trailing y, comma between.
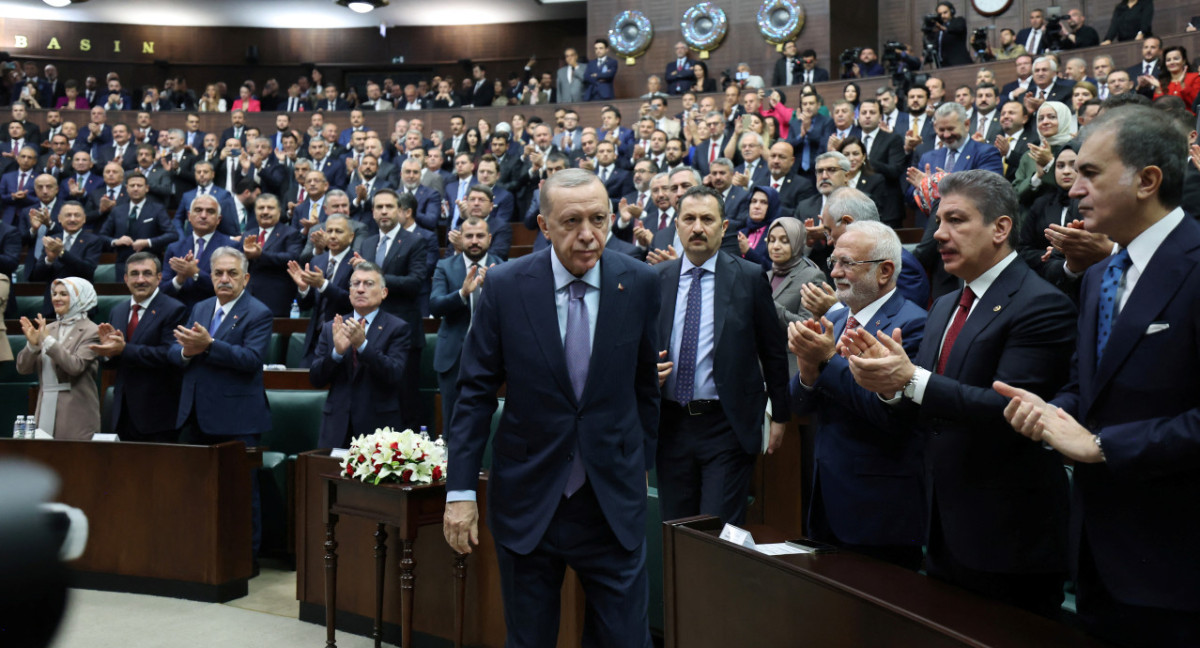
x: 620, y: 287
x: 877, y: 323
x: 997, y: 308
x: 154, y: 312
x: 235, y: 317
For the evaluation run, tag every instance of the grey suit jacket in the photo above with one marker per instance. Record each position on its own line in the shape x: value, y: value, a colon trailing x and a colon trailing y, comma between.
x: 787, y: 294
x: 77, y: 416
x: 570, y: 92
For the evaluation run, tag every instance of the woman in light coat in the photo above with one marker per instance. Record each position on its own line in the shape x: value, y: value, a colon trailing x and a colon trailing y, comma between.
x: 68, y: 404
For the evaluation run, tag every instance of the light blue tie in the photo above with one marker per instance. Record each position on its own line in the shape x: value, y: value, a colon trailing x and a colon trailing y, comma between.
x: 216, y: 321
x: 381, y: 251
x: 1110, y: 285
x: 578, y: 351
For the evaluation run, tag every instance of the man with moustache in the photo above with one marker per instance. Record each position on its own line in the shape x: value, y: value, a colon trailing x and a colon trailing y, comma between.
x: 135, y: 342
x: 269, y: 248
x: 69, y: 251
x: 186, y: 274
x: 324, y: 281
x: 457, y: 284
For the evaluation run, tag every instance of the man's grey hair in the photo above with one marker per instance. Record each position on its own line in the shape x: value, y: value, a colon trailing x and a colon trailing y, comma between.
x: 336, y: 193
x: 1052, y: 62
x: 267, y: 140
x: 206, y: 197
x: 696, y: 179
x: 848, y: 201
x: 565, y: 179
x: 951, y: 109
x: 367, y: 266
x: 663, y: 175
x: 723, y: 161
x: 842, y: 160
x: 1105, y: 57
x: 887, y: 243
x: 714, y: 113
x: 226, y: 251
x: 177, y: 132
x: 753, y: 134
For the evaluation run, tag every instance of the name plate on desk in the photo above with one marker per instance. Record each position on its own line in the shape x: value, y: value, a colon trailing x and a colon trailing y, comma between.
x: 737, y: 536
x: 339, y: 453
x: 99, y: 436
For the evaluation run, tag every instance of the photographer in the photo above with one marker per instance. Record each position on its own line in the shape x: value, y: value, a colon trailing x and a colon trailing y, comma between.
x: 1076, y: 34
x: 951, y: 36
x: 897, y: 60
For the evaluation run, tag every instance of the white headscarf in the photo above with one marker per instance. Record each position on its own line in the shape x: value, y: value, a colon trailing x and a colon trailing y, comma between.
x: 1066, y: 123
x: 83, y: 299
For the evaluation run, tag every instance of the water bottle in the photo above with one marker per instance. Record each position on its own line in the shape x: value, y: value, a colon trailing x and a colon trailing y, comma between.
x: 19, y: 428
x: 425, y: 432
x: 30, y: 427
x: 295, y: 314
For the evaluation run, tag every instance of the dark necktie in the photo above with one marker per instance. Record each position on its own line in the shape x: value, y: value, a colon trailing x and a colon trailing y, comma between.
x: 685, y: 381
x: 133, y: 322
x: 133, y: 215
x: 199, y: 249
x: 662, y: 220
x: 951, y: 158
x: 332, y: 268
x: 960, y: 318
x: 578, y: 351
x: 1110, y: 285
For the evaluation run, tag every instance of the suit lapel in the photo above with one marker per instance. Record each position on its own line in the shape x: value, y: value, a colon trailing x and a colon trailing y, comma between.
x: 613, y: 305
x: 1155, y: 288
x: 935, y: 328
x: 542, y: 313
x: 233, y: 319
x: 987, y: 309
x: 723, y: 292
x: 783, y: 285
x: 669, y: 280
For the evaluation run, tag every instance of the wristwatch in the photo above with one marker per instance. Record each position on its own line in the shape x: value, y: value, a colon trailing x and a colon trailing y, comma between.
x: 910, y: 388
x: 1100, y: 447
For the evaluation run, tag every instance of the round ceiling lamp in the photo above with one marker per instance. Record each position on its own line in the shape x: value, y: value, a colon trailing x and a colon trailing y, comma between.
x: 59, y: 4
x: 363, y: 6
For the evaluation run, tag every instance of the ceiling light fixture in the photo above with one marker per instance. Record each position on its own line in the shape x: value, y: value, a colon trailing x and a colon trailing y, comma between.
x: 59, y: 4
x: 363, y: 6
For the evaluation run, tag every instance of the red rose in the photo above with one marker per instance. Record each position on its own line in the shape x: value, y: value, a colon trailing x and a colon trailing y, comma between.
x: 361, y: 458
x: 406, y: 475
x: 437, y: 473
x: 395, y: 445
x: 349, y: 471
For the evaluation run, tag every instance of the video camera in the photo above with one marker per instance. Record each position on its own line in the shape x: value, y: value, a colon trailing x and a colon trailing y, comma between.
x: 850, y: 56
x: 979, y: 43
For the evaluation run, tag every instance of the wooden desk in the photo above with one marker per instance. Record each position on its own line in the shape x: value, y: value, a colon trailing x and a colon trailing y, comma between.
x: 719, y: 594
x: 168, y: 520
x: 405, y: 508
x: 433, y: 603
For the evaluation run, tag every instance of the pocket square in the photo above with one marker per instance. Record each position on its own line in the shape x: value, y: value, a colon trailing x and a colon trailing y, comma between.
x: 1157, y: 327
x: 148, y: 220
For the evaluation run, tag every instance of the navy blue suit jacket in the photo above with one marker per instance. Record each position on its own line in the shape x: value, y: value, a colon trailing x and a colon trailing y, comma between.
x: 446, y: 303
x: 750, y: 345
x: 89, y: 185
x: 80, y: 261
x: 868, y: 477
x: 405, y: 268
x: 971, y: 155
x: 324, y: 305
x: 224, y: 385
x: 1001, y: 498
x: 598, y: 79
x: 270, y: 282
x: 147, y: 383
x: 200, y: 286
x: 152, y: 224
x: 229, y: 215
x: 429, y: 208
x: 12, y: 206
x: 680, y: 80
x: 362, y: 386
x: 1142, y: 398
x: 515, y: 340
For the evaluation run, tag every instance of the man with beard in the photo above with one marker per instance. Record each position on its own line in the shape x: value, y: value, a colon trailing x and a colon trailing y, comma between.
x: 429, y: 202
x: 958, y: 152
x: 323, y: 283
x: 456, y: 289
x: 139, y: 225
x: 878, y: 512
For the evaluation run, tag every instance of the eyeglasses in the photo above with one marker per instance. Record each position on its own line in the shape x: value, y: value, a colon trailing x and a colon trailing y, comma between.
x: 833, y: 262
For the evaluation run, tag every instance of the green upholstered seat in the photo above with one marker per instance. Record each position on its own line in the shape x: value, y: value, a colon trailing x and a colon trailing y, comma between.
x: 276, y: 348
x: 8, y: 370
x: 295, y: 427
x: 105, y: 304
x: 106, y: 273
x: 29, y: 305
x: 295, y: 350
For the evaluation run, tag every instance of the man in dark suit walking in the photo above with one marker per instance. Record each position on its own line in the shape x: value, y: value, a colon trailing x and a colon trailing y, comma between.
x: 867, y: 493
x: 1128, y: 415
x: 574, y: 337
x: 715, y: 366
x: 360, y: 358
x: 997, y: 502
x: 324, y: 282
x: 135, y: 342
x: 403, y: 258
x: 457, y: 285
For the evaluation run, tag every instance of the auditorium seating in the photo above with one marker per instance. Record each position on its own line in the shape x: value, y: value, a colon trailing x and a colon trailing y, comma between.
x: 295, y: 428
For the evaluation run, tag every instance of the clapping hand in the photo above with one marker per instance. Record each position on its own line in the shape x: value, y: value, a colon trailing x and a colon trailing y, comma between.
x: 194, y: 340
x: 112, y: 341
x: 817, y: 297
x: 35, y: 331
x: 878, y: 363
x: 658, y: 256
x: 1033, y: 417
x: 185, y: 267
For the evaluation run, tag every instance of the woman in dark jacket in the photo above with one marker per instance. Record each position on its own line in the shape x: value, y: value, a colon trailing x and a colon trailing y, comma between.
x: 752, y: 238
x: 1052, y: 208
x: 1131, y: 20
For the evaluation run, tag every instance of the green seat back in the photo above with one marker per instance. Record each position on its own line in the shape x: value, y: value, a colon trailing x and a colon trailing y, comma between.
x: 275, y: 349
x: 29, y: 305
x: 105, y: 304
x: 106, y: 273
x: 429, y: 377
x: 296, y: 416
x: 8, y: 370
x: 295, y: 350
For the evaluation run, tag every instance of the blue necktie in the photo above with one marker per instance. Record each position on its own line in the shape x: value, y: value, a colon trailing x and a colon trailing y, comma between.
x: 578, y: 350
x: 1110, y: 283
x: 381, y: 251
x: 685, y: 380
x: 199, y: 249
x: 216, y: 321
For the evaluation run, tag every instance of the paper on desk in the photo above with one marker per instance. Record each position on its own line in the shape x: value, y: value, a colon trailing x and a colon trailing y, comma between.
x: 780, y: 549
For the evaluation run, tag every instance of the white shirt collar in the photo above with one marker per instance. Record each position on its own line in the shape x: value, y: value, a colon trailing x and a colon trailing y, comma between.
x: 228, y: 307
x: 1142, y: 248
x: 339, y: 256
x: 563, y: 277
x: 710, y: 264
x: 144, y: 304
x: 984, y: 281
x: 867, y: 313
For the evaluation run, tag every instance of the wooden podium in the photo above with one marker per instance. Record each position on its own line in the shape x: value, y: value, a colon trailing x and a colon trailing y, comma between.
x: 719, y: 594
x: 434, y: 597
x: 168, y: 520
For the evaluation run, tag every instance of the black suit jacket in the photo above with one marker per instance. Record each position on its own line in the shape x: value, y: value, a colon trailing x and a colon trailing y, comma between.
x: 146, y: 388
x: 750, y: 345
x: 483, y: 94
x: 1000, y: 497
x: 954, y: 43
x: 80, y: 261
x: 153, y: 223
x: 324, y: 305
x: 405, y: 268
x: 269, y: 279
x: 362, y: 386
x: 890, y: 163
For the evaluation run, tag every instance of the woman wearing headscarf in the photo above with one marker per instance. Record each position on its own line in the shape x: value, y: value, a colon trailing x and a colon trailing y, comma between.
x: 752, y: 238
x: 1055, y: 207
x: 790, y: 268
x: 1055, y: 127
x: 68, y: 404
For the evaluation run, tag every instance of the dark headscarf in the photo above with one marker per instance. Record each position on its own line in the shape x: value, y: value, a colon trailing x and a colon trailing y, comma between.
x: 773, y: 209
